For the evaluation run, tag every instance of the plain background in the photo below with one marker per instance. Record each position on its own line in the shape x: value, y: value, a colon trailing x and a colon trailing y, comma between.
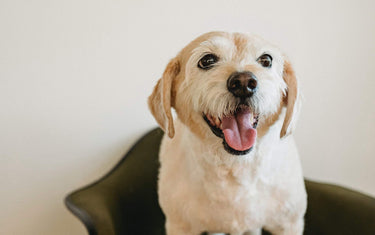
x: 75, y: 76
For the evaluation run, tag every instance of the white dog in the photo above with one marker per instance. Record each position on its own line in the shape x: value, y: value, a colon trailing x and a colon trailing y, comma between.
x: 228, y: 163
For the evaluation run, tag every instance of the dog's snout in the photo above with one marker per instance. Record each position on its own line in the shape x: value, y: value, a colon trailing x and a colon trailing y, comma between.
x: 242, y: 84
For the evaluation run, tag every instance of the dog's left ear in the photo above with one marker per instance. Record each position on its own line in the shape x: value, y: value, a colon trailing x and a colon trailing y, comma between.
x: 292, y: 100
x: 161, y: 100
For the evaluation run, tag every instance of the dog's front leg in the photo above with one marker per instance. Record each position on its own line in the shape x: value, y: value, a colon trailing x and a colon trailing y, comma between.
x: 254, y: 232
x: 294, y: 228
x: 291, y: 228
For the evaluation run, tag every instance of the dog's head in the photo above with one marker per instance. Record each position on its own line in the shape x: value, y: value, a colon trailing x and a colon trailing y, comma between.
x: 230, y: 86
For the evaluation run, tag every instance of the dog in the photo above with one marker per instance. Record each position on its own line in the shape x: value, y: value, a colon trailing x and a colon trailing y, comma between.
x: 228, y: 161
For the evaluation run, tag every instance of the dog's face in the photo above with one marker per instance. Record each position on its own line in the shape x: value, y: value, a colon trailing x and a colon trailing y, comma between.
x: 227, y: 87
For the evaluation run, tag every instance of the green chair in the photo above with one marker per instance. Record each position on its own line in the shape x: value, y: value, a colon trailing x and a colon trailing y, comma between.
x: 125, y: 200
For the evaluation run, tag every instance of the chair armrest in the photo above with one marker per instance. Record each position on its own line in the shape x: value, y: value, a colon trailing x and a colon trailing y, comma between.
x: 94, y: 206
x: 125, y: 200
x: 336, y: 210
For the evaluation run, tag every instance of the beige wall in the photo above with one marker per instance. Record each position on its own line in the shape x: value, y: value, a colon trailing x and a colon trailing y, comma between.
x: 75, y: 75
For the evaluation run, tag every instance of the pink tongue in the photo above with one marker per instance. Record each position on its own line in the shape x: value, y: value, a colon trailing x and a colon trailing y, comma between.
x: 238, y: 132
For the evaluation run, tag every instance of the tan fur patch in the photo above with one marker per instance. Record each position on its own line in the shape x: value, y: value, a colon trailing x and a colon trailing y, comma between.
x: 292, y: 94
x: 162, y: 98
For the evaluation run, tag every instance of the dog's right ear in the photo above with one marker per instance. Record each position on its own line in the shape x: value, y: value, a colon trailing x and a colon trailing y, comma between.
x: 161, y: 100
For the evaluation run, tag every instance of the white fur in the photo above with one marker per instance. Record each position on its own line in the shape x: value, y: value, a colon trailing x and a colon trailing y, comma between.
x: 204, y: 188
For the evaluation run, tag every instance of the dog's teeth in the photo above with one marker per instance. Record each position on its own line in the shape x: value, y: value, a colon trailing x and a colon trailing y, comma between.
x: 211, y: 119
x: 251, y: 117
x: 217, y: 122
x: 214, y: 121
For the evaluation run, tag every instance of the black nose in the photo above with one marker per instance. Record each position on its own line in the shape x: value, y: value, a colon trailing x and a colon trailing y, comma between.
x: 242, y: 84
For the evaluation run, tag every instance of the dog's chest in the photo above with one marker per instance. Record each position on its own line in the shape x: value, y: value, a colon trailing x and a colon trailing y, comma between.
x: 230, y: 202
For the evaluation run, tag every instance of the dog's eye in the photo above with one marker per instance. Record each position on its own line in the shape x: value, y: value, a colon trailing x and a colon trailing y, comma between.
x: 265, y: 60
x: 207, y: 61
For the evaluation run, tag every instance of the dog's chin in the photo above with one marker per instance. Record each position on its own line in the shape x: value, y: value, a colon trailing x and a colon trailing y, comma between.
x: 216, y: 125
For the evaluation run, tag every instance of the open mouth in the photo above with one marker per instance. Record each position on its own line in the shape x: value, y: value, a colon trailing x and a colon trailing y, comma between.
x: 238, y: 129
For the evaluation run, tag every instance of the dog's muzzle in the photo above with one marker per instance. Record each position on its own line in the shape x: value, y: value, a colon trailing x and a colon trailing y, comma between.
x: 237, y: 129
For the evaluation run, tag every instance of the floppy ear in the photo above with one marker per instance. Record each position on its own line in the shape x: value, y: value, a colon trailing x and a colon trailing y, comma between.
x: 292, y: 100
x: 161, y: 100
